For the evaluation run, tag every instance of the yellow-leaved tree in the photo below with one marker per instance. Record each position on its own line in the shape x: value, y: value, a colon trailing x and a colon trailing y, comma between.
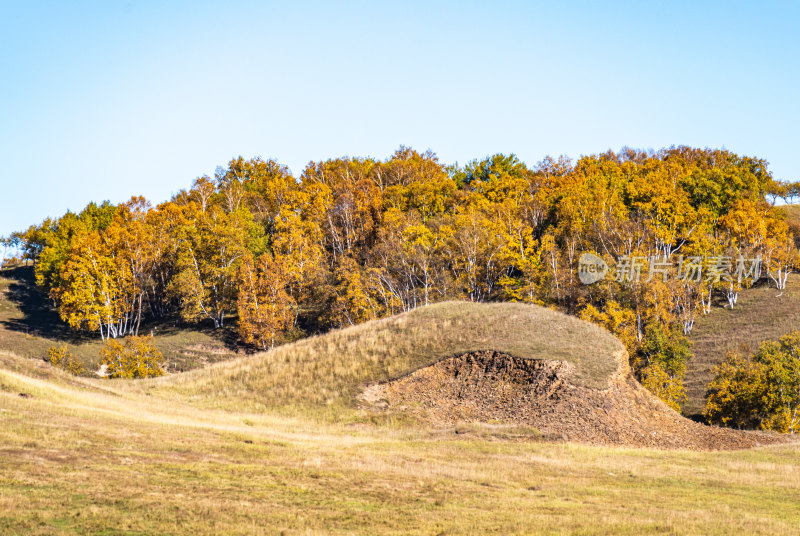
x: 297, y: 243
x: 211, y: 246
x: 102, y: 286
x: 266, y: 309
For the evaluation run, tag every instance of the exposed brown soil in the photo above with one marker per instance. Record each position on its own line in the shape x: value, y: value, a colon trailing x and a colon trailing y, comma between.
x: 493, y: 387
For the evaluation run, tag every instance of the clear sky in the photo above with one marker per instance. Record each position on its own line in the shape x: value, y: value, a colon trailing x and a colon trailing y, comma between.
x: 108, y: 99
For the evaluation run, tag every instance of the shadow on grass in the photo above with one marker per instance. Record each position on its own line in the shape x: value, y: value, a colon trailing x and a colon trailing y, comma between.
x: 173, y: 326
x: 39, y: 318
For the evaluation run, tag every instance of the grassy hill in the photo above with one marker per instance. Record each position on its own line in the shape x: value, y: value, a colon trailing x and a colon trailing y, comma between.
x: 327, y: 371
x: 29, y: 326
x: 792, y: 213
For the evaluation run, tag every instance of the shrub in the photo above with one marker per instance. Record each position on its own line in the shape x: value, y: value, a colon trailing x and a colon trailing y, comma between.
x: 136, y: 358
x: 667, y: 348
x: 61, y: 357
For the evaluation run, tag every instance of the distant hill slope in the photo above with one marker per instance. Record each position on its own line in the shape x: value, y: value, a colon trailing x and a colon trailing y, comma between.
x: 792, y: 213
x: 760, y: 315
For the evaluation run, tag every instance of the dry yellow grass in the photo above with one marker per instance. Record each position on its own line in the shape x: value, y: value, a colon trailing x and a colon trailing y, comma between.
x: 83, y: 456
x: 792, y: 213
x: 328, y: 371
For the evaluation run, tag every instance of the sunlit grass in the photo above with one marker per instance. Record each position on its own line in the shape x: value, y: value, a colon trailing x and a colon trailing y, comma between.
x: 97, y: 457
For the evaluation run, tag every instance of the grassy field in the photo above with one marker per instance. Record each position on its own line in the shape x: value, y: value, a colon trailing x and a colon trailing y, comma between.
x: 82, y: 456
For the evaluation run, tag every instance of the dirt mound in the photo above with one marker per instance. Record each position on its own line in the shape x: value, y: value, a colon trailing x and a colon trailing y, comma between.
x: 495, y: 387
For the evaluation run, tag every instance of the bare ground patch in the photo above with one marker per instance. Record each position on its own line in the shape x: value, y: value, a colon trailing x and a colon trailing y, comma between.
x: 495, y: 387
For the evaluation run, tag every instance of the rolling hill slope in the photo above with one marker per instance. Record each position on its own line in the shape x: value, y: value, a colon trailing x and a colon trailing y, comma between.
x: 452, y: 362
x: 97, y: 457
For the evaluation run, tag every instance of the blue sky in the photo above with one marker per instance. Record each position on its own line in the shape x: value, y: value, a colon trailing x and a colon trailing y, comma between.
x: 104, y: 100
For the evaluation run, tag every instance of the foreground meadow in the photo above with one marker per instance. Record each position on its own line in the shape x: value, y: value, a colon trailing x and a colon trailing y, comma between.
x: 80, y: 456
